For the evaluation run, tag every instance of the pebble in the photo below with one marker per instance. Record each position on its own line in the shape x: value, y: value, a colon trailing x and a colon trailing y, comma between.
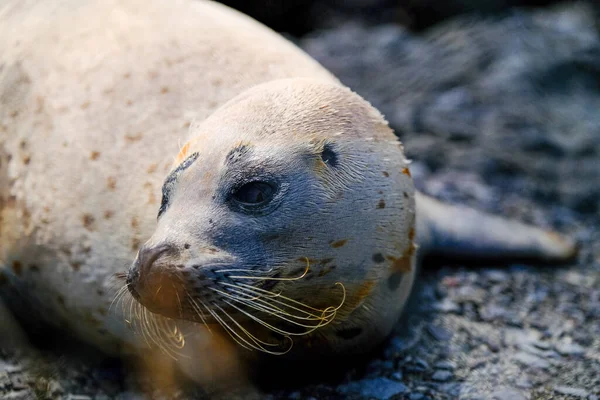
x: 449, y: 365
x: 470, y: 294
x: 18, y: 395
x: 442, y: 375
x: 531, y: 361
x: 439, y: 332
x: 508, y: 394
x: 571, y: 391
x: 378, y: 388
x: 83, y: 397
x: 4, y: 380
x: 492, y: 312
x: 417, y: 365
x: 447, y: 306
x: 397, y: 375
x: 567, y: 348
x: 524, y: 383
x: 496, y: 276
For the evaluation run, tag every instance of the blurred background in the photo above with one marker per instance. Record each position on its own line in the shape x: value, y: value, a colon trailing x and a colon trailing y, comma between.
x: 497, y: 102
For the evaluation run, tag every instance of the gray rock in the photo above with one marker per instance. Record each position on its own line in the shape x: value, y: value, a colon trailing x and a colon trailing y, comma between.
x: 378, y: 388
x: 496, y: 276
x: 398, y: 375
x: 470, y: 294
x: 508, y: 394
x: 447, y: 306
x: 442, y: 375
x: 567, y: 348
x: 71, y: 396
x: 449, y: 365
x: 532, y: 361
x: 439, y: 332
x: 571, y: 391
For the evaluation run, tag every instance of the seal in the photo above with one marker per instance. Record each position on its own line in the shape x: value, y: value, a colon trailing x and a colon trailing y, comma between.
x: 288, y: 216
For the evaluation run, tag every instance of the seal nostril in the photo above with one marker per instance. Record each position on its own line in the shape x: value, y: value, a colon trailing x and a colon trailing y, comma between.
x: 148, y: 256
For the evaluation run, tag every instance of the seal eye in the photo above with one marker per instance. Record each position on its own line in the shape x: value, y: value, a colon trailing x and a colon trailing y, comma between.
x: 254, y: 193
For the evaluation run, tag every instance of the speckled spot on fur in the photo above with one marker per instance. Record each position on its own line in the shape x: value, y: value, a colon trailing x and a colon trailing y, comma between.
x: 108, y: 214
x: 34, y: 268
x: 134, y: 223
x: 88, y: 221
x: 17, y: 267
x: 152, y: 168
x: 134, y: 137
x: 381, y: 204
x: 406, y: 171
x: 386, y: 174
x: 84, y: 105
x: 111, y: 183
x: 338, y: 243
x: 164, y: 90
x: 406, y: 195
x: 94, y: 155
x: 26, y: 160
x: 135, y: 244
x: 76, y: 265
x: 378, y: 258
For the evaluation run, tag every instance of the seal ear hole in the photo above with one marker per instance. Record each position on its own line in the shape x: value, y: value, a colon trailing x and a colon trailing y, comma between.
x: 329, y: 156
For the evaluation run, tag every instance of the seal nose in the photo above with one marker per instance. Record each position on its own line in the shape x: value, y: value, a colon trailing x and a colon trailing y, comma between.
x: 148, y: 256
x: 141, y: 268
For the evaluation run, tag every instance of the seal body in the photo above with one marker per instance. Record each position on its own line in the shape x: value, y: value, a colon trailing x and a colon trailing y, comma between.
x: 286, y: 210
x: 95, y: 103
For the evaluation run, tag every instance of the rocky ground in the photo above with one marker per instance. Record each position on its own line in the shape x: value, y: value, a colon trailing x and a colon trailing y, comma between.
x: 500, y: 113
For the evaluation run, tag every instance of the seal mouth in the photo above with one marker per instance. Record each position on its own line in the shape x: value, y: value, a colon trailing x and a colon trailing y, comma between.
x: 245, y: 304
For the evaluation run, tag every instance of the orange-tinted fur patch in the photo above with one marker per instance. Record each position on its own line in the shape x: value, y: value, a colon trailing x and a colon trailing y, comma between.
x: 406, y: 171
x: 87, y: 220
x: 183, y: 153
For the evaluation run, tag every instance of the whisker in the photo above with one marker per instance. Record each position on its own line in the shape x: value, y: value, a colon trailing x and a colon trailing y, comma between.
x: 258, y: 344
x: 229, y: 330
x: 244, y: 270
x: 198, y: 310
x: 269, y: 308
x: 272, y: 295
x: 262, y: 278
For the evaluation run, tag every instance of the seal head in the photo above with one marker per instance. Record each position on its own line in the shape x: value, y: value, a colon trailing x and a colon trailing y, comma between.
x: 288, y: 218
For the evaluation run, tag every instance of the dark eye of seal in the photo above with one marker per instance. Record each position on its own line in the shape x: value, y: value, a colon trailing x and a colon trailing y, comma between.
x: 254, y: 194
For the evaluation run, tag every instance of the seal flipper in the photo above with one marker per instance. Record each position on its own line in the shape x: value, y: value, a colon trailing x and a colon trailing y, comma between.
x: 456, y: 231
